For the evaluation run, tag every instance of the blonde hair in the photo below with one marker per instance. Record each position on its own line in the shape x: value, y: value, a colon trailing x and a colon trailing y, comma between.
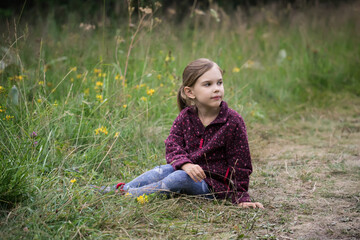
x: 192, y: 72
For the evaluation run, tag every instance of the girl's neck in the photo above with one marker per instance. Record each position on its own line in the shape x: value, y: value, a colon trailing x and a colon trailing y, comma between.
x: 207, y: 115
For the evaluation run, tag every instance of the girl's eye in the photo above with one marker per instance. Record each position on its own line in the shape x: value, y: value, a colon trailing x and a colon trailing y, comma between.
x: 220, y: 82
x: 207, y: 84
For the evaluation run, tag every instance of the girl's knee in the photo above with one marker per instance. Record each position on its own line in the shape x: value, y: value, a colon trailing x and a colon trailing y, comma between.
x: 181, y: 175
x: 163, y: 169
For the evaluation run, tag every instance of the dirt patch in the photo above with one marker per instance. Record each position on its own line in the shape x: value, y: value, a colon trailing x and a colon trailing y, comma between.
x: 309, y: 180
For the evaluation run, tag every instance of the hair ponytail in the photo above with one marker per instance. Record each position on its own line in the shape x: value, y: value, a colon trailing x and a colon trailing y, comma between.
x: 181, y: 101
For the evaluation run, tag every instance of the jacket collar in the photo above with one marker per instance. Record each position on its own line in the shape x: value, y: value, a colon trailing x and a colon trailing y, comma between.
x: 221, y: 118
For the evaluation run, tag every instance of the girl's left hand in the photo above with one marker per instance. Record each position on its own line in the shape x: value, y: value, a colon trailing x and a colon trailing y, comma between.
x: 251, y: 205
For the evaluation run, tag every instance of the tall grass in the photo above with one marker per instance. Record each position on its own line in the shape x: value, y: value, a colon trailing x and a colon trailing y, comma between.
x: 72, y: 86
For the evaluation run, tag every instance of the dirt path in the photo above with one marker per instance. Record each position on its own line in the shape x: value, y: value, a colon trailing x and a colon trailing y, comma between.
x: 307, y: 172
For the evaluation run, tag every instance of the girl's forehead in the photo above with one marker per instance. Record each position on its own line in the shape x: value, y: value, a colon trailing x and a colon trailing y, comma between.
x: 213, y: 73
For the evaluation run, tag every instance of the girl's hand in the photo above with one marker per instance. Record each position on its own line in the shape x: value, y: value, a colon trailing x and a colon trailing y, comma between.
x: 194, y: 171
x: 251, y: 205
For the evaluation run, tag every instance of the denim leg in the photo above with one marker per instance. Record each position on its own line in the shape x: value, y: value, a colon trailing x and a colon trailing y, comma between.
x: 152, y: 176
x: 178, y: 181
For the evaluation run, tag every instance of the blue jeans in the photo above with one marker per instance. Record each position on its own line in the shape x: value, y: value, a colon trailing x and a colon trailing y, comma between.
x: 165, y: 179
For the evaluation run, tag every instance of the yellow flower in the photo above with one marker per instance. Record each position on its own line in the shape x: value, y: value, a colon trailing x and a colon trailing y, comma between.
x: 73, y: 69
x: 72, y: 79
x: 142, y: 199
x: 99, y: 84
x: 97, y: 70
x: 2, y: 110
x: 78, y: 75
x: 137, y: 87
x: 128, y: 194
x: 124, y: 106
x: 20, y: 78
x: 55, y: 103
x: 41, y: 82
x: 49, y: 84
x: 87, y: 92
x: 2, y: 89
x: 159, y: 76
x: 117, y: 134
x: 142, y: 85
x: 39, y: 100
x: 101, y: 129
x: 236, y: 70
x: 73, y: 180
x: 8, y: 117
x: 143, y: 99
x: 161, y: 85
x: 103, y: 75
x: 118, y: 77
x: 99, y: 97
x: 150, y: 92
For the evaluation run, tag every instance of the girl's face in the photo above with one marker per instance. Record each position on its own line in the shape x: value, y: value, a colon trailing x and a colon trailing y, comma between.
x: 208, y: 90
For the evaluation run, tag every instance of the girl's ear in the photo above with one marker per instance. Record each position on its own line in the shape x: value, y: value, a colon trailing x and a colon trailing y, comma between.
x: 189, y: 92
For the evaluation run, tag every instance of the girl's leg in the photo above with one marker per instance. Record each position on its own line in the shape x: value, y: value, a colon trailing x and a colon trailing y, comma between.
x: 151, y: 176
x: 178, y: 181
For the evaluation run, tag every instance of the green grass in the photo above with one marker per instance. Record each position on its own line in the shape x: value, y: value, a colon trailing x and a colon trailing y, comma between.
x: 65, y: 69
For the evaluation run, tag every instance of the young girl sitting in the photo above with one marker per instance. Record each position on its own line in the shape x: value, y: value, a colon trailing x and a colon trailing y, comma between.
x: 207, y: 150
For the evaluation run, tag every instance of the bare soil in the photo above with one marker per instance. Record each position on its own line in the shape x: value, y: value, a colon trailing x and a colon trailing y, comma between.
x: 307, y: 172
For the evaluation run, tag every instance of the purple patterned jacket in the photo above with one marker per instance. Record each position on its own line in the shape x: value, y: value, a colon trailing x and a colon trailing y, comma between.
x: 221, y: 149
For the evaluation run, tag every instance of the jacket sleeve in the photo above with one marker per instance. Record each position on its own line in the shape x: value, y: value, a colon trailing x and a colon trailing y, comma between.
x: 175, y: 145
x: 239, y: 161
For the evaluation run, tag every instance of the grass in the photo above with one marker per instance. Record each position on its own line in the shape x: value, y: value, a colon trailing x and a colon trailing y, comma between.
x: 96, y: 125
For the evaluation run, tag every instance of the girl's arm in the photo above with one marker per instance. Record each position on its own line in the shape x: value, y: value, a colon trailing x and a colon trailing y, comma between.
x: 175, y: 145
x: 239, y: 161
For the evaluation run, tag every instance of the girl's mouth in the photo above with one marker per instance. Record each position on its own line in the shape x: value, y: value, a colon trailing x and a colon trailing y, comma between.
x: 216, y: 98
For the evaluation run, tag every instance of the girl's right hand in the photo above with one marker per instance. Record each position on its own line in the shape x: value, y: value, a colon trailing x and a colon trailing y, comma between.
x: 194, y: 171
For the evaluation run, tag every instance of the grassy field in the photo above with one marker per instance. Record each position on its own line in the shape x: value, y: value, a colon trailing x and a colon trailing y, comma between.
x: 92, y: 103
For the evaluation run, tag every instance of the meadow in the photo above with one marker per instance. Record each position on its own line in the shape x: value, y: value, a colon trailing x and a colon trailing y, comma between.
x: 91, y: 102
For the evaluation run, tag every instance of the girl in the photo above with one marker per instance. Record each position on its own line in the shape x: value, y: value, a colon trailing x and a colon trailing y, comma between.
x: 207, y: 150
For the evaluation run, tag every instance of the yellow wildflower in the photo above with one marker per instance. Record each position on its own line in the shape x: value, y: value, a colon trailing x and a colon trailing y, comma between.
x: 99, y: 97
x: 143, y: 99
x: 137, y: 87
x: 124, y: 106
x: 2, y: 89
x: 159, y: 76
x: 161, y: 85
x: 8, y: 117
x: 142, y: 199
x: 87, y: 92
x: 39, y: 100
x: 128, y: 194
x: 73, y: 180
x: 72, y: 79
x: 49, y: 84
x: 150, y: 92
x: 142, y: 85
x: 101, y: 129
x: 97, y: 70
x: 118, y: 77
x: 55, y: 103
x: 20, y: 78
x: 2, y: 110
x: 236, y: 70
x: 78, y: 75
x: 117, y: 134
x: 99, y: 84
x: 73, y: 69
x: 103, y: 75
